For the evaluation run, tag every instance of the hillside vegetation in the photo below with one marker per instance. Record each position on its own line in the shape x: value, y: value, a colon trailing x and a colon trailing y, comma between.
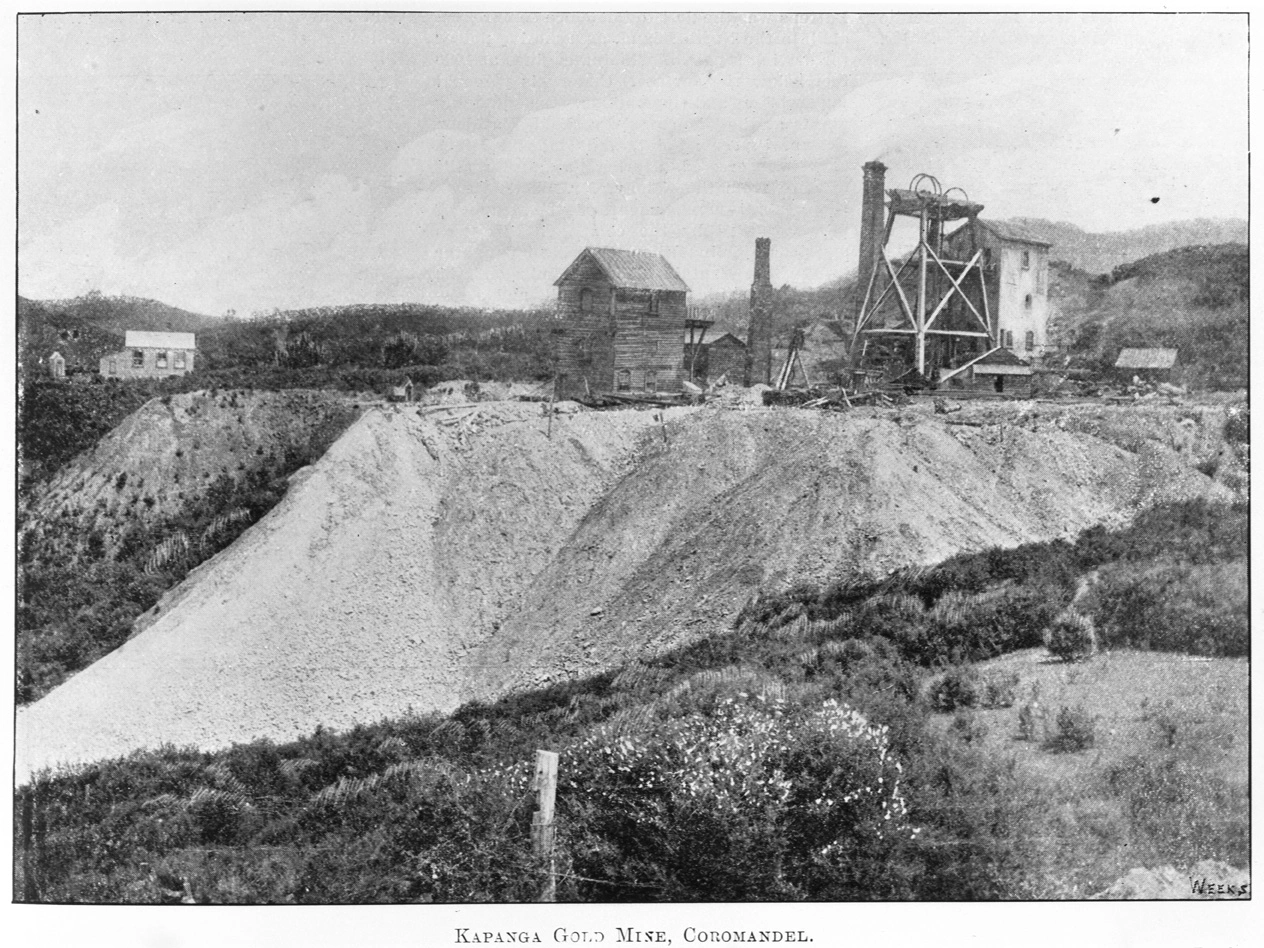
x: 1195, y: 299
x: 850, y: 785
x: 177, y: 481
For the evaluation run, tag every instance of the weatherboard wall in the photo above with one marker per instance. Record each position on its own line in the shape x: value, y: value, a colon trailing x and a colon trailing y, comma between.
x: 617, y: 340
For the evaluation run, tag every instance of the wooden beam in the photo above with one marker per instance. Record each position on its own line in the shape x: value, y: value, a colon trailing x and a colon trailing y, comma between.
x: 955, y: 288
x: 899, y: 291
x: 886, y: 290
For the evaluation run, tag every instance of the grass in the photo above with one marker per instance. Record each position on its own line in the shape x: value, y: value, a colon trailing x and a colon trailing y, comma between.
x: 1167, y: 725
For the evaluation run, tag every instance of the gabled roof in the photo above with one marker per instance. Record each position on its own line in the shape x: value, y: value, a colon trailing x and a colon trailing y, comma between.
x: 137, y: 339
x: 1000, y: 356
x: 1146, y: 359
x: 1008, y: 230
x: 629, y: 269
x: 732, y: 340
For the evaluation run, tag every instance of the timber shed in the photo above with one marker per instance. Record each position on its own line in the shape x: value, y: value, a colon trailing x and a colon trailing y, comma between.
x: 725, y: 356
x: 621, y: 324
x: 1154, y: 365
x: 997, y: 370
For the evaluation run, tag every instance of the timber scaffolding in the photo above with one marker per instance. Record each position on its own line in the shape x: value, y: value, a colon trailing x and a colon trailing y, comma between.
x: 930, y: 298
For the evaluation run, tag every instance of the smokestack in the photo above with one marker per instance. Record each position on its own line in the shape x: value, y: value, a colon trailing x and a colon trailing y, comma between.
x: 871, y: 227
x: 759, y: 331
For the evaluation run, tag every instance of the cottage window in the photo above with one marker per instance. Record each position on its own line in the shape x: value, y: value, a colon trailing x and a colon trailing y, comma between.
x: 162, y: 359
x: 653, y: 302
x: 623, y: 381
x: 1031, y: 340
x: 138, y: 358
x: 113, y: 367
x: 1026, y: 259
x: 651, y: 380
x: 585, y: 300
x: 181, y: 360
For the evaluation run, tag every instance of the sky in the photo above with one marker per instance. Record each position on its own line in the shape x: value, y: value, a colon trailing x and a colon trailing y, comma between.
x: 248, y: 162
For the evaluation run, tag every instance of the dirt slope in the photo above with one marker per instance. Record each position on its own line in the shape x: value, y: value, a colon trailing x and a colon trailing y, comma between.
x: 426, y: 560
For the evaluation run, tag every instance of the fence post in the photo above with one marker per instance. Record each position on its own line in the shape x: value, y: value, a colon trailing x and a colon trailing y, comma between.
x: 543, y: 830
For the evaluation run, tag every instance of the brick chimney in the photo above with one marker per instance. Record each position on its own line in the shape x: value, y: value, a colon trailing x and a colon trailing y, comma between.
x: 872, y: 227
x: 759, y: 330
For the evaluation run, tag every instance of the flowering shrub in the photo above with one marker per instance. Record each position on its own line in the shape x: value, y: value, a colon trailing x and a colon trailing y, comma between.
x: 751, y: 798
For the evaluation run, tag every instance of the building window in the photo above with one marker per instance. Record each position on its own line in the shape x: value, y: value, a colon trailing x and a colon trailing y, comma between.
x: 1027, y: 301
x: 585, y: 300
x: 653, y: 302
x: 651, y: 380
x: 113, y: 367
x: 1026, y: 259
x: 623, y: 380
x: 1031, y: 340
x: 1009, y: 339
x: 181, y: 360
x: 161, y: 360
x: 138, y: 359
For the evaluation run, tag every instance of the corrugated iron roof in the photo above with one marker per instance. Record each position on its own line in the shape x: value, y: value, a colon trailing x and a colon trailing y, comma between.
x: 632, y: 269
x: 138, y: 339
x: 1146, y: 359
x: 1007, y: 230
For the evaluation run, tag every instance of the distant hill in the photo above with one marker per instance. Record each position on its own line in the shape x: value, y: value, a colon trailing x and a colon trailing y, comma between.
x: 1101, y: 253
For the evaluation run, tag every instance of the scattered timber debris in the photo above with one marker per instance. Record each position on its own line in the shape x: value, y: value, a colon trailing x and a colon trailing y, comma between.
x: 833, y: 399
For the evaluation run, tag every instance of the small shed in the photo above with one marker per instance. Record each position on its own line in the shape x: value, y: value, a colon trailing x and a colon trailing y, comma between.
x: 57, y: 366
x: 997, y: 370
x: 725, y: 357
x: 1154, y: 365
x: 402, y: 393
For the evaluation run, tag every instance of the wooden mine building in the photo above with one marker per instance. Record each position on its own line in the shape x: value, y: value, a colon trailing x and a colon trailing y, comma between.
x: 622, y: 320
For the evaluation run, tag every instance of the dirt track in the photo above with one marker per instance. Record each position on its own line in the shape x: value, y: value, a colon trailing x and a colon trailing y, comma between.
x: 428, y: 560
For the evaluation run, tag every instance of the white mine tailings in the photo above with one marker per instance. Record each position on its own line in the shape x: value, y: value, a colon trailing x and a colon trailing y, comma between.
x: 424, y: 561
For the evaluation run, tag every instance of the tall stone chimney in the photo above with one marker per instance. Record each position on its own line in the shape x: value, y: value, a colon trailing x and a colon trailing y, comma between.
x: 872, y: 228
x: 759, y: 330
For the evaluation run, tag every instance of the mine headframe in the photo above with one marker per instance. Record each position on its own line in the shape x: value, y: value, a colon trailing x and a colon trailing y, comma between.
x: 930, y: 298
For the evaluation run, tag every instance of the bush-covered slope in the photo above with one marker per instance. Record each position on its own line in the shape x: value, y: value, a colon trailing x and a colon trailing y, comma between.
x: 1195, y: 299
x: 178, y: 480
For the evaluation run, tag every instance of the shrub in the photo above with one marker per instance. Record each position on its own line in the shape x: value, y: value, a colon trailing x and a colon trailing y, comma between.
x: 959, y: 687
x: 968, y: 728
x: 1237, y: 428
x: 1076, y: 731
x: 1032, y: 721
x: 755, y: 799
x: 1000, y: 689
x: 1191, y: 608
x: 1071, y: 637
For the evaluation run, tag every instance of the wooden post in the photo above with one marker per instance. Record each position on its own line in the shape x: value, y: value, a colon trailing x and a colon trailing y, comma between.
x: 543, y: 830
